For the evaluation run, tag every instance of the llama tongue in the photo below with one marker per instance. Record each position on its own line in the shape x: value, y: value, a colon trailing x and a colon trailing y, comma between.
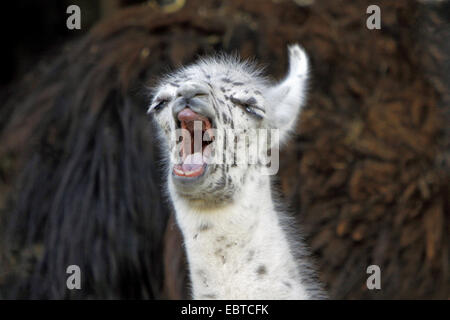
x: 193, y: 162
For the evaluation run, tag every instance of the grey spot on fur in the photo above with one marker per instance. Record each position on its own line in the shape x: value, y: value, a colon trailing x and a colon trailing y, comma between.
x: 287, y: 284
x: 219, y: 253
x: 225, y: 117
x: 202, y: 275
x: 208, y: 296
x: 220, y: 239
x: 204, y: 227
x: 226, y: 80
x: 238, y: 83
x: 229, y: 109
x: 231, y: 244
x: 261, y: 270
x: 195, y: 236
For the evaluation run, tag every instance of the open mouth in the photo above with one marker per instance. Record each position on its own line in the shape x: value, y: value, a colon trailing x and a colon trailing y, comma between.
x: 197, y: 137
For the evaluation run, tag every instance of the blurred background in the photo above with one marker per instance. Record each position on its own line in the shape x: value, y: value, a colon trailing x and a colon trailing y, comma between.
x: 367, y: 173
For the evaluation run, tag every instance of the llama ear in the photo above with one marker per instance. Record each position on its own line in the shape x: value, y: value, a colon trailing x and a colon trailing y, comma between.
x: 287, y: 97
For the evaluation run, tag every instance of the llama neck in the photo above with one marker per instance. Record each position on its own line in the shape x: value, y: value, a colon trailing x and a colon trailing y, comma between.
x: 239, y: 251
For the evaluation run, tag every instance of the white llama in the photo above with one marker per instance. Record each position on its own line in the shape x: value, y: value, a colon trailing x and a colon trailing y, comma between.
x: 236, y: 237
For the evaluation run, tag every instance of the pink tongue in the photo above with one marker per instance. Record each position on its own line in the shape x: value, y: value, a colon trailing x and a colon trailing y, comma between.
x: 193, y: 162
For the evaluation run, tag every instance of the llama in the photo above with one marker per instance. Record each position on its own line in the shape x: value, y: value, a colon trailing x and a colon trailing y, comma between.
x: 236, y: 237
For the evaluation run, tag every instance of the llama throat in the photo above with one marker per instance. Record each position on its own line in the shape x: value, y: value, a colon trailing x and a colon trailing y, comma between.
x: 236, y: 238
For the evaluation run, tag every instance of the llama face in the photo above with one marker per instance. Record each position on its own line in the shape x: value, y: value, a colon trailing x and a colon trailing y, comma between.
x: 217, y: 118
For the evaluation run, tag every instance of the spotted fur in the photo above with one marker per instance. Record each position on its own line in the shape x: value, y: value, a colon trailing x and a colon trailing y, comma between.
x: 237, y: 245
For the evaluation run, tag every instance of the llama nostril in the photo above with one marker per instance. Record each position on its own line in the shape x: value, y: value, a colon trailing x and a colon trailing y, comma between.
x: 191, y: 95
x: 191, y: 90
x: 195, y: 98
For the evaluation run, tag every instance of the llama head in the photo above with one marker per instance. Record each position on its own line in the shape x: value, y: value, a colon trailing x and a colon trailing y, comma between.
x: 218, y: 117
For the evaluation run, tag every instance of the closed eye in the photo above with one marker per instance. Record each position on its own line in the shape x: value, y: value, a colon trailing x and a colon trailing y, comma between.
x: 158, y: 105
x: 250, y: 107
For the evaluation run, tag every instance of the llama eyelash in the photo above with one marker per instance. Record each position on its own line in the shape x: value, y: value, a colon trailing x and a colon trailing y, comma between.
x: 249, y: 107
x: 158, y: 105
